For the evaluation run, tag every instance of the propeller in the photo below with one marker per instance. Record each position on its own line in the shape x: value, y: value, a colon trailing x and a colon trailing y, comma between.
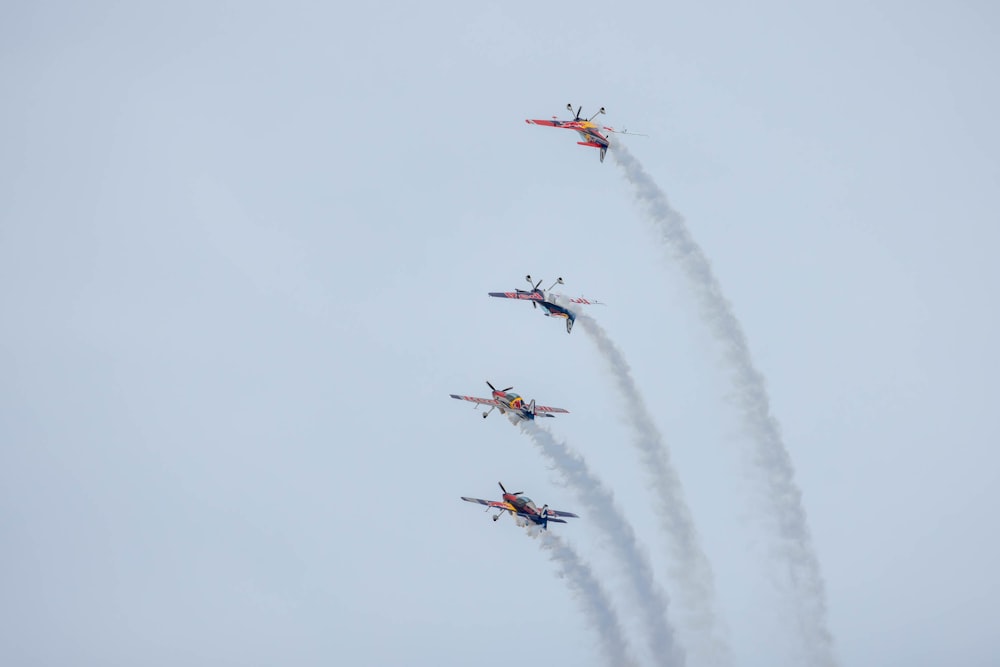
x: 511, y: 494
x: 494, y: 388
x: 570, y: 107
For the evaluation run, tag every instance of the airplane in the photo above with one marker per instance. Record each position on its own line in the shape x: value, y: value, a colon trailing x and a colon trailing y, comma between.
x: 508, y: 402
x: 523, y: 507
x: 547, y: 300
x: 588, y: 130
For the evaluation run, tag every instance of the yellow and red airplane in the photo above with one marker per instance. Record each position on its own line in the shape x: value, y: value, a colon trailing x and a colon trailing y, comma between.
x: 523, y: 508
x: 589, y: 131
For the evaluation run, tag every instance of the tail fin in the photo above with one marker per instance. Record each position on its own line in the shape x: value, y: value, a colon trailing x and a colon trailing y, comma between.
x: 603, y: 151
x: 569, y: 322
x: 531, y: 407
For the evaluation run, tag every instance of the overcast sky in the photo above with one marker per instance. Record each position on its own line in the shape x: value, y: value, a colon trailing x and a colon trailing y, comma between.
x: 244, y: 256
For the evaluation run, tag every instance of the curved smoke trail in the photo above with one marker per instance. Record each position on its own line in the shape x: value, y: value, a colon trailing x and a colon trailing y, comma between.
x: 597, y: 606
x: 690, y: 567
x: 771, y: 456
x: 609, y: 519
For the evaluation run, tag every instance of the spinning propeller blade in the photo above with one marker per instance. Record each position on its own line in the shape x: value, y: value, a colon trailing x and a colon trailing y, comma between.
x: 516, y: 493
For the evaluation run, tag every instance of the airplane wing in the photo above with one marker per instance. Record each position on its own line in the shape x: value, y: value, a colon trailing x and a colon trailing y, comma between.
x: 481, y: 401
x: 488, y: 503
x: 531, y: 296
x: 625, y: 131
x: 547, y: 123
x: 552, y: 513
x: 585, y: 301
x: 545, y: 408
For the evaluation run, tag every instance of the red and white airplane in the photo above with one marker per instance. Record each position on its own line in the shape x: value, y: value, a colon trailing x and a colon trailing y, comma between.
x: 511, y: 404
x: 547, y: 300
x: 522, y: 507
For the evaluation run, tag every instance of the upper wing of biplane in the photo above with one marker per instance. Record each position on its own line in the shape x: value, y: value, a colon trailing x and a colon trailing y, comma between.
x: 475, y: 399
x: 488, y: 503
x: 545, y: 408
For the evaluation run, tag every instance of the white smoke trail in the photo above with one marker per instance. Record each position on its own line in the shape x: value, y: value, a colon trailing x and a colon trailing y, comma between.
x: 593, y: 598
x: 690, y: 567
x: 604, y: 513
x: 771, y: 457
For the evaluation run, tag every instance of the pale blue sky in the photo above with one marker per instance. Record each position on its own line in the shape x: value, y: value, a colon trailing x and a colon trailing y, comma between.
x: 244, y: 258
